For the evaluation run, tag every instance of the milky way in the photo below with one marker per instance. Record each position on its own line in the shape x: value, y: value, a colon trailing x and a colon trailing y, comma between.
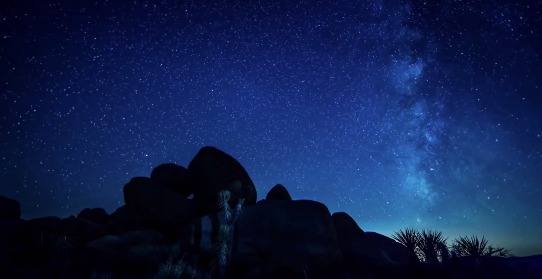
x: 400, y: 113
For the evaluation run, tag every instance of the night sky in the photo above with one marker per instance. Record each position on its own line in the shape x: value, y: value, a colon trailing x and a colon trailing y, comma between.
x: 399, y: 113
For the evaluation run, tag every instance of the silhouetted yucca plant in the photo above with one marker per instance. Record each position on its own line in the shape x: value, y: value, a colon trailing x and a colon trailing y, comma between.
x: 431, y: 245
x: 410, y: 238
x: 498, y: 251
x: 474, y: 246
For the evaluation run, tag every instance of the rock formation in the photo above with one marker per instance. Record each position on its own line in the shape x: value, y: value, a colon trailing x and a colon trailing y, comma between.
x: 278, y: 193
x: 213, y: 171
x: 9, y: 209
x: 203, y: 222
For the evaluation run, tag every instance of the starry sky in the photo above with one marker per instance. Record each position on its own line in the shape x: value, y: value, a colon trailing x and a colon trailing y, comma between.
x: 401, y: 113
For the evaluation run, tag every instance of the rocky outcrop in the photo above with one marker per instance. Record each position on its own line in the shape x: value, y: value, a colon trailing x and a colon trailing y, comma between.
x: 347, y: 229
x: 9, y: 209
x: 368, y: 253
x: 213, y: 171
x: 154, y: 206
x: 379, y: 249
x: 278, y: 193
x: 293, y: 238
x: 173, y: 177
x: 162, y: 231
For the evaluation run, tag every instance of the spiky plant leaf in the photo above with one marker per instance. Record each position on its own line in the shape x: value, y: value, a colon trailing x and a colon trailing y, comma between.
x: 474, y: 246
x: 431, y: 244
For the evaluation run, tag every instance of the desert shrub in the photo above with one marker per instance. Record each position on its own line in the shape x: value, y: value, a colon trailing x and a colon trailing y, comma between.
x: 475, y: 246
x: 409, y: 237
x: 432, y: 245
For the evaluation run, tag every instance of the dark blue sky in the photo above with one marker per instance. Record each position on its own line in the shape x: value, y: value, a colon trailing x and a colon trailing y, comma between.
x: 400, y: 113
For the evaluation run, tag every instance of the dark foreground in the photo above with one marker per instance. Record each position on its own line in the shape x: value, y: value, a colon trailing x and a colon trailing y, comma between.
x: 204, y: 221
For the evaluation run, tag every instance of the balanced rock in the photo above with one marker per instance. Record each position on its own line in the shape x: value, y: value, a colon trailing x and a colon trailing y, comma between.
x: 158, y: 207
x: 174, y: 177
x: 213, y: 171
x: 278, y: 193
x: 285, y: 238
x: 9, y: 209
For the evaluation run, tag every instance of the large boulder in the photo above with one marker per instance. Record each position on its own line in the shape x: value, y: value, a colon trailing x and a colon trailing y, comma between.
x: 347, y: 229
x: 287, y: 239
x: 368, y: 253
x: 157, y: 207
x: 278, y: 193
x: 9, y: 209
x: 381, y: 249
x: 174, y: 177
x: 213, y: 171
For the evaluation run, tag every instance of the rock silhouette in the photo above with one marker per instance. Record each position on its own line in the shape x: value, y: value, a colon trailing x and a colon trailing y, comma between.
x: 96, y: 215
x: 347, y: 229
x: 365, y: 250
x: 297, y: 236
x: 9, y: 209
x: 161, y: 232
x: 278, y: 193
x: 212, y: 171
x: 174, y: 177
x: 158, y: 207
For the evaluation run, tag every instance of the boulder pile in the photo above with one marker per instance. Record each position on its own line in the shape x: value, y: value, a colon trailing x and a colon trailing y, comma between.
x: 202, y: 221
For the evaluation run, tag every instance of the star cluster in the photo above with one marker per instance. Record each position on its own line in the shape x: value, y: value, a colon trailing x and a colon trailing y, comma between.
x: 402, y: 113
